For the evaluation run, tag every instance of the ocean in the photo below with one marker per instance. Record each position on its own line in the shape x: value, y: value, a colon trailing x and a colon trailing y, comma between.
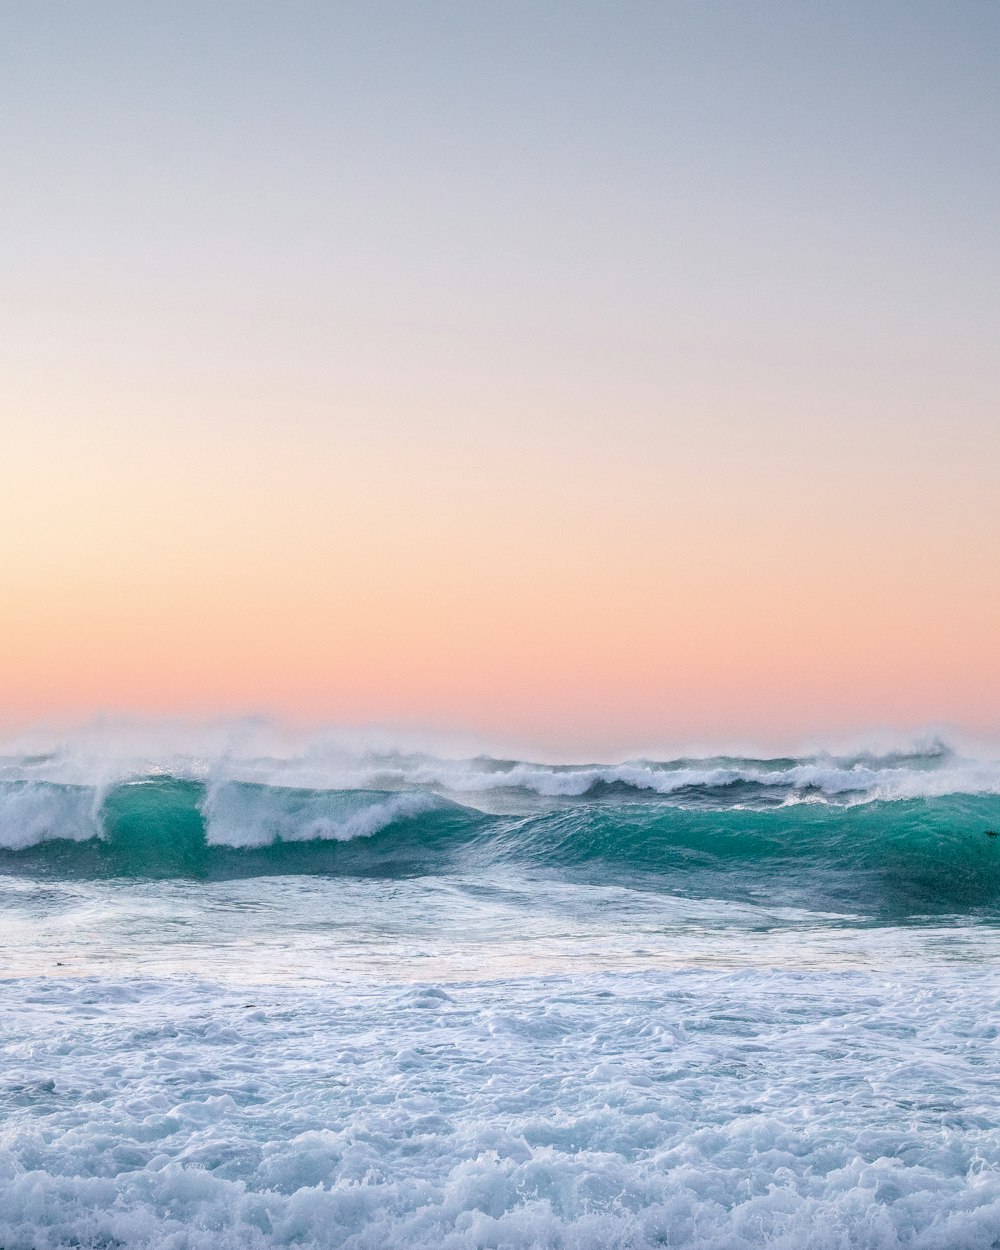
x: 371, y: 999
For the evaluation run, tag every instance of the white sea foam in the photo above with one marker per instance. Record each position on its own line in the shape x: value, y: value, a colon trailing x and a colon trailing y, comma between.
x: 690, y: 1109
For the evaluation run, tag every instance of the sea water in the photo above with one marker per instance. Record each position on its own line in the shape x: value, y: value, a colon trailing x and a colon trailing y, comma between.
x: 335, y: 998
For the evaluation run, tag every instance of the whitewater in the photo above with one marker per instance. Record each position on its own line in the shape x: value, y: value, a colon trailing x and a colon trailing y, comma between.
x: 365, y: 997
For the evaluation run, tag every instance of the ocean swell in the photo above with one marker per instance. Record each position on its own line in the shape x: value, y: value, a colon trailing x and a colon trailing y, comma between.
x: 912, y: 856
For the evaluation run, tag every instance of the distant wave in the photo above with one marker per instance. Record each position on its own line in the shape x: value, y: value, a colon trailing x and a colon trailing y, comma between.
x: 934, y: 770
x: 721, y: 780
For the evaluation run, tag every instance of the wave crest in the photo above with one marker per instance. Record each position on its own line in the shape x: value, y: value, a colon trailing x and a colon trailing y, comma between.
x: 254, y: 815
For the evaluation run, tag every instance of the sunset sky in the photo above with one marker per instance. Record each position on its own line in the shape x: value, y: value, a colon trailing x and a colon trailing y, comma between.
x: 589, y: 375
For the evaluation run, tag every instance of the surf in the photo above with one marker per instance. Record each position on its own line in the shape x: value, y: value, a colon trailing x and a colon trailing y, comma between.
x: 900, y: 857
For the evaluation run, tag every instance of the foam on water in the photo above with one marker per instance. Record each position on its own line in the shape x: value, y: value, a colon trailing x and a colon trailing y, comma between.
x: 716, y: 1111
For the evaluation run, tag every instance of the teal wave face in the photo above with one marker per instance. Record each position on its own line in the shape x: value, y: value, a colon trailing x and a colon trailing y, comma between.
x: 899, y: 858
x: 172, y: 827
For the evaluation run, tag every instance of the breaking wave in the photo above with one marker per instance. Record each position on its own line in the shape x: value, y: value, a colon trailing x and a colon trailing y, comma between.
x: 900, y: 835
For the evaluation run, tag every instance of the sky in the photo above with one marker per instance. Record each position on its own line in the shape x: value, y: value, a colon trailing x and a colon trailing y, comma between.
x: 593, y: 376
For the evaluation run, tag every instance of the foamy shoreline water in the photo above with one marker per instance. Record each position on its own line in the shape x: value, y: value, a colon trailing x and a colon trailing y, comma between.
x: 264, y: 1003
x: 687, y: 1108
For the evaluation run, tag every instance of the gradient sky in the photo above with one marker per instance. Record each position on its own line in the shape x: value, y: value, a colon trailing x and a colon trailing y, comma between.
x: 591, y: 375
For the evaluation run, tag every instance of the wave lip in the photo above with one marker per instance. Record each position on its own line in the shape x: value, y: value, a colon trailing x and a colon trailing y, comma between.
x: 255, y: 816
x: 32, y: 812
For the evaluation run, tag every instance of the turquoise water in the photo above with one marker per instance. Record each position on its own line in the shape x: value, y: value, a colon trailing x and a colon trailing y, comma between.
x: 389, y: 999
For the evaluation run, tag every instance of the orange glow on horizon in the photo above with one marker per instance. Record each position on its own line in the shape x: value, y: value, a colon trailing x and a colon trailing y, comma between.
x: 611, y: 606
